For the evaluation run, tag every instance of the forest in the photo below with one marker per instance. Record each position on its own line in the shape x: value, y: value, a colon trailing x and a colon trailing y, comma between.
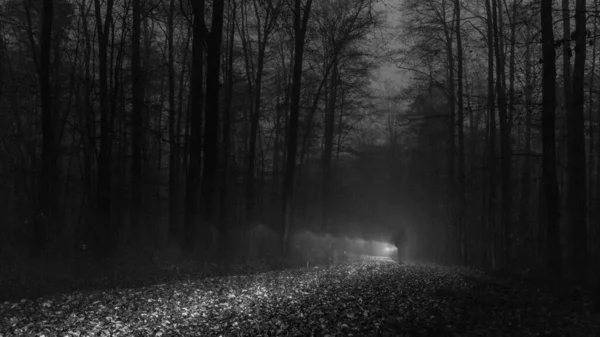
x: 221, y: 130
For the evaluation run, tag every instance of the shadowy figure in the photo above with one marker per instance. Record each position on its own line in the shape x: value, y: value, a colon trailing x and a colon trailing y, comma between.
x: 399, y: 241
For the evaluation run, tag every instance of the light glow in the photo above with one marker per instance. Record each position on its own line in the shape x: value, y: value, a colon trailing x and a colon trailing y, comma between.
x: 390, y: 248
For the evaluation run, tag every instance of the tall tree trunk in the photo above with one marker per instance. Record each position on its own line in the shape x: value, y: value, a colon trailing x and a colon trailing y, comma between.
x: 509, y: 125
x: 594, y: 228
x: 590, y: 163
x: 264, y: 31
x: 576, y: 192
x: 563, y: 145
x: 524, y: 215
x: 328, y: 147
x: 192, y: 209
x: 103, y: 189
x: 282, y: 108
x: 183, y: 117
x: 174, y: 230
x: 451, y: 150
x: 461, y: 139
x: 492, y: 137
x: 505, y: 161
x: 566, y: 57
x: 88, y: 138
x: 45, y: 212
x: 211, y: 121
x: 226, y: 131
x: 300, y: 25
x: 553, y: 247
x: 137, y: 120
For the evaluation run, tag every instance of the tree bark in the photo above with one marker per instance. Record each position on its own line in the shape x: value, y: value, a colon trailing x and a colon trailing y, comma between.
x: 46, y: 185
x: 567, y: 53
x: 451, y: 149
x: 505, y: 162
x: 576, y: 191
x: 104, y: 181
x: 226, y: 131
x: 509, y: 125
x: 524, y: 212
x: 264, y: 33
x: 137, y: 120
x: 211, y: 122
x: 174, y: 230
x: 591, y: 142
x: 192, y: 207
x: 492, y: 138
x: 300, y: 25
x: 461, y: 139
x: 553, y: 247
x: 328, y: 147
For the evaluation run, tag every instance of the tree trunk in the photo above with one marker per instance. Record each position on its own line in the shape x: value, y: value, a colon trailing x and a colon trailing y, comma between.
x: 328, y: 147
x: 576, y: 191
x: 553, y: 247
x: 300, y: 25
x: 226, y: 131
x: 174, y: 230
x: 509, y: 245
x: 492, y: 138
x: 591, y: 142
x: 211, y: 121
x: 103, y: 189
x: 461, y: 139
x: 451, y: 150
x: 563, y: 142
x: 263, y: 32
x: 192, y: 210
x: 46, y: 185
x: 137, y: 120
x: 567, y: 53
x: 524, y: 215
x: 505, y: 165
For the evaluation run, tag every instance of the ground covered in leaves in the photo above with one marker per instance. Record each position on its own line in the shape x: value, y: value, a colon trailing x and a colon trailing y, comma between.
x: 369, y: 297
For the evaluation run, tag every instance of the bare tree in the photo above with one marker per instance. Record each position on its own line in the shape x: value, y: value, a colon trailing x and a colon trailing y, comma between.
x: 266, y: 22
x: 492, y: 135
x: 195, y: 143
x: 301, y: 16
x: 462, y: 192
x: 227, y: 130
x: 104, y: 181
x: 576, y: 192
x: 47, y: 179
x: 211, y: 120
x: 137, y: 120
x: 553, y: 248
x: 505, y: 160
x: 174, y: 161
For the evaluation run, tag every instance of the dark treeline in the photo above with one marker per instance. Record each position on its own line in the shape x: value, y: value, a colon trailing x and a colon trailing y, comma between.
x: 130, y: 126
x: 509, y: 146
x: 136, y: 125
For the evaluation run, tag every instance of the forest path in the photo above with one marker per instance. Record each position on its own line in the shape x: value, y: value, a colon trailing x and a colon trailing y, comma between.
x: 373, y: 297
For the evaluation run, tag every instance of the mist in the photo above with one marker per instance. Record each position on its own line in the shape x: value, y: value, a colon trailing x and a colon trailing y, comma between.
x: 299, y: 167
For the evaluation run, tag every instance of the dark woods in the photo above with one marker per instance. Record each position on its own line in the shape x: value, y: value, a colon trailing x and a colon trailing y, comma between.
x: 152, y: 124
x: 137, y: 126
x: 520, y: 140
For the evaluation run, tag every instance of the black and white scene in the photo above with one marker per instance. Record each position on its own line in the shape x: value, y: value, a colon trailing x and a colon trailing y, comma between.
x: 385, y: 168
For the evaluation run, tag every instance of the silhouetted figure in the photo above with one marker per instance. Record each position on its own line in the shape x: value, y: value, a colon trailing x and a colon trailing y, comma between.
x: 399, y: 241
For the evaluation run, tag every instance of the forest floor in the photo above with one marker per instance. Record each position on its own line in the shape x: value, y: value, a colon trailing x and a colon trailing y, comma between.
x: 368, y: 297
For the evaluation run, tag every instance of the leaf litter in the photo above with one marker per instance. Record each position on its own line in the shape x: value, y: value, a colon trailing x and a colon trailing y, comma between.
x: 369, y: 297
